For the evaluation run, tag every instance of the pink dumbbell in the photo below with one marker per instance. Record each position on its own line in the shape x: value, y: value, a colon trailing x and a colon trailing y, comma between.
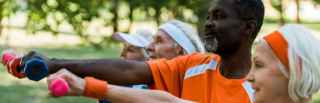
x: 7, y: 56
x: 59, y: 87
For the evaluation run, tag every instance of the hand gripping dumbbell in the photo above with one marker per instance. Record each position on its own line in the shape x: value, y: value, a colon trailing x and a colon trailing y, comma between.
x: 34, y: 68
x: 59, y: 87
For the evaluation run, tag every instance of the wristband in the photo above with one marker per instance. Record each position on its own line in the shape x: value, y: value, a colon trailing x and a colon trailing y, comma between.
x: 95, y: 88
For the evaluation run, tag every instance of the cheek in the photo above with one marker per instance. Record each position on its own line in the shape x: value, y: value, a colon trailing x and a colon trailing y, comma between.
x: 270, y: 84
x: 134, y: 56
x: 164, y: 49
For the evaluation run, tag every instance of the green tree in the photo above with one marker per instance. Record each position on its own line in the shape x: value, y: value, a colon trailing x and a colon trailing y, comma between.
x: 298, y: 2
x: 133, y: 5
x: 50, y: 14
x: 278, y: 5
x: 7, y: 8
x: 317, y: 1
x: 200, y: 9
x: 77, y: 13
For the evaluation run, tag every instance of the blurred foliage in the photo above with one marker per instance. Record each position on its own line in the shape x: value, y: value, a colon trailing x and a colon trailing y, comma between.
x: 317, y: 1
x: 50, y: 15
x: 278, y: 5
x: 7, y: 8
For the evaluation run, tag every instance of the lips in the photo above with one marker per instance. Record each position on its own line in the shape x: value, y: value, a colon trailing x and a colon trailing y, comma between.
x: 254, y: 86
x: 209, y: 35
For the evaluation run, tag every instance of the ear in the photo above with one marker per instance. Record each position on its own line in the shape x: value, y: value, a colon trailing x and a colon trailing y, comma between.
x: 250, y: 28
x: 179, y: 50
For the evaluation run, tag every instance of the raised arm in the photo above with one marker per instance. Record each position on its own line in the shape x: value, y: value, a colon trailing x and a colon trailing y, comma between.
x: 116, y: 71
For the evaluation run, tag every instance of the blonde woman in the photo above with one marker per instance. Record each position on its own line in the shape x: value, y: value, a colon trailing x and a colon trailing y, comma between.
x: 286, y: 66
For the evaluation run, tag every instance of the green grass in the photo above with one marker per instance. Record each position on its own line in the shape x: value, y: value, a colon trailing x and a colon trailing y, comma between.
x: 13, y: 90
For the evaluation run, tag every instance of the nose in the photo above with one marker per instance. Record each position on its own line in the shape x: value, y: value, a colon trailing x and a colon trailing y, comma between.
x: 250, y: 77
x: 209, y: 24
x: 123, y: 54
x: 151, y: 47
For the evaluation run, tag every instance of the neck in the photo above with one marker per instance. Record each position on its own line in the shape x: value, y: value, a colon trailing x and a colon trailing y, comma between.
x: 236, y: 65
x: 284, y: 100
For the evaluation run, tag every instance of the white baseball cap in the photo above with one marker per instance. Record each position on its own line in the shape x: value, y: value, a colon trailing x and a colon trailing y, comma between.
x: 141, y: 38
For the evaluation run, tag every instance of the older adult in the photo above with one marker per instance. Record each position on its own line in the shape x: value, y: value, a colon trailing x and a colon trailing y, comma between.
x: 135, y: 44
x: 175, y: 38
x: 286, y: 66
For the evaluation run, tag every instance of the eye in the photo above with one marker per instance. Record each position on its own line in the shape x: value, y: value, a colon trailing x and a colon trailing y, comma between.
x: 258, y: 64
x: 130, y: 49
x: 218, y: 14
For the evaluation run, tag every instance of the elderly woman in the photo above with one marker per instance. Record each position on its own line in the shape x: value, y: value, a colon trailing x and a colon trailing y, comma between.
x: 286, y: 66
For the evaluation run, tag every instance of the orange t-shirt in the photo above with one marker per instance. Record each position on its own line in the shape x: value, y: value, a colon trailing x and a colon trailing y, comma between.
x: 195, y: 77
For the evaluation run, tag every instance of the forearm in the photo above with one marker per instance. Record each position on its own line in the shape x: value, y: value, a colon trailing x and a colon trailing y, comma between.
x: 120, y: 72
x: 118, y: 94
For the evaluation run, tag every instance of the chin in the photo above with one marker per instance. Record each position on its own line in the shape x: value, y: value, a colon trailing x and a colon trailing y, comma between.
x: 210, y: 49
x: 260, y: 98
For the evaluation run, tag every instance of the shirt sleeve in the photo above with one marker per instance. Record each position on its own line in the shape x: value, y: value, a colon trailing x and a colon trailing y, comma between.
x: 168, y: 74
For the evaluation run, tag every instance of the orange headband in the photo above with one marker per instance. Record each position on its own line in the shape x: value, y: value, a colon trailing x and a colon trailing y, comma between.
x: 279, y: 46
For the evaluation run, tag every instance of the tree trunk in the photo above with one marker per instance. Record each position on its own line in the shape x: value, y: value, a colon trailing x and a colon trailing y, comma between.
x: 298, y: 20
x: 115, y: 12
x: 282, y: 19
x: 157, y: 16
x: 130, y: 17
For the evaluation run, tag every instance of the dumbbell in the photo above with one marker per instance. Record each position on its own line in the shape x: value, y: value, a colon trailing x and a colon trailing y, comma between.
x: 59, y: 87
x: 34, y: 68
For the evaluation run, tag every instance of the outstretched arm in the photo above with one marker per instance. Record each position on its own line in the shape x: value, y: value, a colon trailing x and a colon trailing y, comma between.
x: 116, y: 71
x: 113, y: 93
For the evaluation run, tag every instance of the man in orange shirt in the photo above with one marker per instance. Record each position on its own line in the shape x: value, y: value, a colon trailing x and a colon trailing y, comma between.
x: 230, y: 30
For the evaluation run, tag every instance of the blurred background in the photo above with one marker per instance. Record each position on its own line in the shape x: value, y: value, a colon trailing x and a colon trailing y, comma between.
x: 82, y: 29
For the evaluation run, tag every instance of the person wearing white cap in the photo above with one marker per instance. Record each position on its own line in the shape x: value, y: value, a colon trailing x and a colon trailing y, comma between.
x: 286, y: 66
x: 134, y: 49
x: 134, y: 44
x: 175, y: 38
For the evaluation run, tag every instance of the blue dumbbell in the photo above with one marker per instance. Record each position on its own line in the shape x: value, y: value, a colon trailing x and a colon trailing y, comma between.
x: 35, y: 68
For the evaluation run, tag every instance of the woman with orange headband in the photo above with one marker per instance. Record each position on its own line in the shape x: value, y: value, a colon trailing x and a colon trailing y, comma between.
x: 286, y: 66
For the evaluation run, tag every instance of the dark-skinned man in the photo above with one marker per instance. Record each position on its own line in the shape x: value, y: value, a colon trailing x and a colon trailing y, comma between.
x: 230, y: 30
